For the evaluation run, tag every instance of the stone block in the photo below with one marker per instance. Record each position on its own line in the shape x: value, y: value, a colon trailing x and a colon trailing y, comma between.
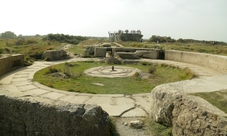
x: 54, y: 55
x: 100, y: 52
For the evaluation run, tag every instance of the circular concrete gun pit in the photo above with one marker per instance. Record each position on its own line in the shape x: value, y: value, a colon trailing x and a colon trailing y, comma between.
x: 111, y: 71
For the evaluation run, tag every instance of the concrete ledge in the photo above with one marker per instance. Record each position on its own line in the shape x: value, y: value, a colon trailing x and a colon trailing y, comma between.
x: 10, y: 62
x: 216, y: 62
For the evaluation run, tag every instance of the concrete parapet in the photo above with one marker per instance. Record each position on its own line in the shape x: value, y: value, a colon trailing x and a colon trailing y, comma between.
x: 215, y: 62
x: 10, y: 62
x: 121, y: 49
x: 54, y: 55
x: 127, y: 55
x: 32, y: 116
x: 152, y: 54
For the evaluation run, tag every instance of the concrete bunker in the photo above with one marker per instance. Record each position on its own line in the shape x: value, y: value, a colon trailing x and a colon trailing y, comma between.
x: 129, y: 53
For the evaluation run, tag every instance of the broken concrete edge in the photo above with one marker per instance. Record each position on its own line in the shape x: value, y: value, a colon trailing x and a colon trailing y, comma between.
x: 188, y: 115
x: 35, y: 115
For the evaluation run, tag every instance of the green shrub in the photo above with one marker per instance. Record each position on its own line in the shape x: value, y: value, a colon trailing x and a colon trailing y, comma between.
x: 1, y: 50
x: 113, y: 130
x: 152, y: 69
x: 160, y: 130
x: 89, y: 51
x: 51, y: 69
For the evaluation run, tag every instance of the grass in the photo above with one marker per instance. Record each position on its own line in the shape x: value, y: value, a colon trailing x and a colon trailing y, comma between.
x: 160, y: 130
x: 156, y: 129
x: 218, y: 98
x: 81, y: 47
x: 77, y: 49
x: 78, y: 82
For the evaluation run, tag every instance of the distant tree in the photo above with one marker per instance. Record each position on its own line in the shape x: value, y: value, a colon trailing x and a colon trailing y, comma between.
x: 161, y: 39
x: 180, y: 40
x: 8, y: 34
x: 20, y: 35
x: 64, y: 38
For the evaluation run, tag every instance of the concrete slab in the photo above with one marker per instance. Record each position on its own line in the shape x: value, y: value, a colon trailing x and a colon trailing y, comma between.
x: 137, y: 112
x: 27, y: 87
x: 7, y: 79
x: 75, y: 99
x: 67, y: 98
x: 35, y: 92
x: 143, y: 101
x: 19, y: 79
x: 52, y: 95
x: 11, y: 88
x: 116, y: 110
x: 24, y: 83
x: 20, y: 76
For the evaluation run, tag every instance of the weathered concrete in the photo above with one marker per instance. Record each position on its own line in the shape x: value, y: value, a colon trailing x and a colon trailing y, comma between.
x: 139, y: 103
x: 152, y: 54
x: 100, y: 52
x: 35, y: 116
x: 116, y: 105
x: 10, y: 62
x: 127, y: 55
x: 51, y: 55
x: 216, y: 62
x: 189, y: 115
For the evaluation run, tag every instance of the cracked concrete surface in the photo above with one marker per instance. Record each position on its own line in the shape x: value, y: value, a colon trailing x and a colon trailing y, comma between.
x: 20, y: 84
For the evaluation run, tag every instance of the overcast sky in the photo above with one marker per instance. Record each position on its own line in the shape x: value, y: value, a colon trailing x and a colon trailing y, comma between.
x: 191, y: 19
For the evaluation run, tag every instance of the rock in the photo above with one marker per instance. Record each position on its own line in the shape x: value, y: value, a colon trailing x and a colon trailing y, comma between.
x: 136, y: 124
x: 42, y: 117
x: 54, y: 55
x: 188, y: 115
x: 125, y: 123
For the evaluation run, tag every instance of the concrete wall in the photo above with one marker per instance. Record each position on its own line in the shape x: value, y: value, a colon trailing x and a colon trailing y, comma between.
x: 215, y: 62
x: 130, y: 53
x: 31, y: 116
x: 54, y: 55
x: 10, y: 62
x: 100, y: 51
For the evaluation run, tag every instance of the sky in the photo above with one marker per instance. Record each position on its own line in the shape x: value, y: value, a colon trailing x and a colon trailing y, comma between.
x: 188, y: 19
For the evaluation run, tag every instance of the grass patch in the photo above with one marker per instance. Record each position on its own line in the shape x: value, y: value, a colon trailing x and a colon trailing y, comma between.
x: 78, y: 82
x: 113, y: 131
x: 160, y: 130
x: 218, y: 98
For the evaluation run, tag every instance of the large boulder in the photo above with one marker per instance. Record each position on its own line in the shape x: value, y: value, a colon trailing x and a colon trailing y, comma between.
x: 54, y: 55
x: 33, y: 116
x: 188, y: 115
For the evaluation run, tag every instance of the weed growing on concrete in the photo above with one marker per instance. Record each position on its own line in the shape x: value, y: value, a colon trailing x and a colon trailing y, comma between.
x: 113, y: 131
